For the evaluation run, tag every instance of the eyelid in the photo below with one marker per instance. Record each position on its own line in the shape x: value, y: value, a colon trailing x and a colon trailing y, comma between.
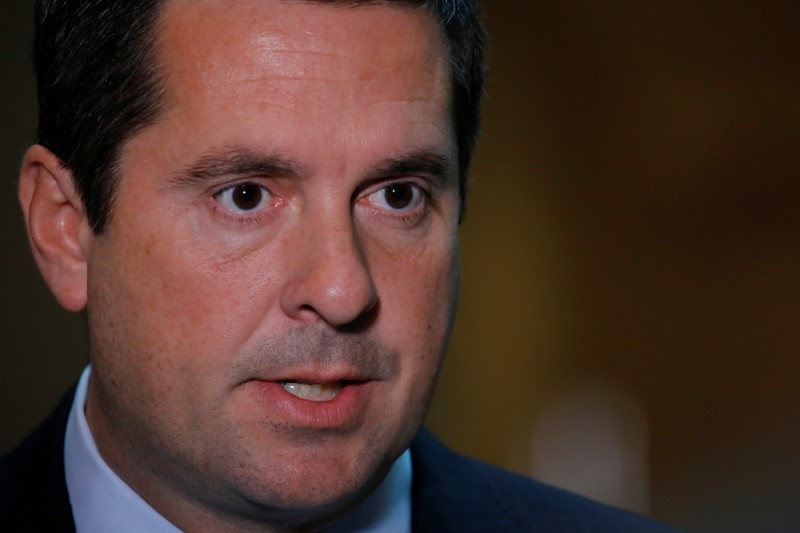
x: 418, y: 198
x: 420, y: 183
x: 226, y: 184
x: 267, y: 200
x: 401, y: 218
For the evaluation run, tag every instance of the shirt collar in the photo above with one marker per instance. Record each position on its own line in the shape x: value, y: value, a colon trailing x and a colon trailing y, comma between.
x: 102, y: 502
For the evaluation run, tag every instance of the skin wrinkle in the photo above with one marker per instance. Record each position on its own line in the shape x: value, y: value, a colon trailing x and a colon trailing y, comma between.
x: 270, y: 48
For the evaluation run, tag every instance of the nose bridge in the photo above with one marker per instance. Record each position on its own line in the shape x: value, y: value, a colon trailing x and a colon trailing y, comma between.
x: 331, y: 278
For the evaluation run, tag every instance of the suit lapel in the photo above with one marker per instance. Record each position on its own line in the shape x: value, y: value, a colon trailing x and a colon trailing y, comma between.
x: 34, y: 476
x: 449, y: 494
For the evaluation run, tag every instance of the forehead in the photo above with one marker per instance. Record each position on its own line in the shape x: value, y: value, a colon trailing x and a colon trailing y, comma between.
x: 321, y: 83
x: 280, y: 42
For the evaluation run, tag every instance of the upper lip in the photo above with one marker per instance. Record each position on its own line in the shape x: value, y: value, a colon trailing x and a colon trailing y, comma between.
x: 300, y: 375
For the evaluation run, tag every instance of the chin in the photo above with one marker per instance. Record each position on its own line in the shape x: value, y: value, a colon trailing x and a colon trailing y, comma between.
x: 313, y: 497
x: 312, y: 485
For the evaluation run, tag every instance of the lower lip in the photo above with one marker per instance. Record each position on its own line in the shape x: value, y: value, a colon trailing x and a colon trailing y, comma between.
x: 344, y: 411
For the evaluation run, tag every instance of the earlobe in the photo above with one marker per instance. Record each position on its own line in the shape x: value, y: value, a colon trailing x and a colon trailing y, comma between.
x: 58, y: 229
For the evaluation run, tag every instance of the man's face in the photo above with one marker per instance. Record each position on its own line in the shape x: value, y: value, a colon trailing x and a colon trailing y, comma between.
x: 288, y: 226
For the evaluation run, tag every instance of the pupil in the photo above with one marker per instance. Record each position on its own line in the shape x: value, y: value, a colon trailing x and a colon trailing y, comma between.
x: 247, y: 196
x: 399, y: 195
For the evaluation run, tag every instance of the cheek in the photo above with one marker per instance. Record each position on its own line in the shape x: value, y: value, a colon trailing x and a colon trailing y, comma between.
x: 425, y: 290
x: 420, y: 293
x: 146, y: 299
x: 182, y: 308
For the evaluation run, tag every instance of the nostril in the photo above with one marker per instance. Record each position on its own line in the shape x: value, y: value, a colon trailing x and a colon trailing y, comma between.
x: 362, y: 322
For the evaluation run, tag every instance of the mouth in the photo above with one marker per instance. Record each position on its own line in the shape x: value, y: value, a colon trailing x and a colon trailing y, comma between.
x: 315, y: 402
x: 315, y: 392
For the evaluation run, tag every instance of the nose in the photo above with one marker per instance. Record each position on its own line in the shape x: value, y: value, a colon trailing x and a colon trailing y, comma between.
x: 329, y: 277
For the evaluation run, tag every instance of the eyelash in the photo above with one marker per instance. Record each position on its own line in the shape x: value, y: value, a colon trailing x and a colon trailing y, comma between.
x: 407, y: 218
x: 404, y: 217
x: 244, y: 218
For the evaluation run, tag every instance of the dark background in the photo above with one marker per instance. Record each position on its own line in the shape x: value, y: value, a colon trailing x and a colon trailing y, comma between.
x: 632, y: 229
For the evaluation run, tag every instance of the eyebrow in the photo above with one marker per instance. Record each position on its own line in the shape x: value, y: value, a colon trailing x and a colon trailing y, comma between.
x: 426, y: 162
x: 241, y: 162
x: 232, y: 163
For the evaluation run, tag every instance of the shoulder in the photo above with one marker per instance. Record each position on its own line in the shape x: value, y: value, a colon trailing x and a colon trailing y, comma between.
x: 33, y: 491
x: 457, y: 493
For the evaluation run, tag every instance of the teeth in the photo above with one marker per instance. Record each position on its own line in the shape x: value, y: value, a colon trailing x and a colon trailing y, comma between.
x: 315, y: 392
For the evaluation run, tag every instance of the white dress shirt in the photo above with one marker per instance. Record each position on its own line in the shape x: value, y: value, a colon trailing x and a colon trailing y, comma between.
x: 102, y: 502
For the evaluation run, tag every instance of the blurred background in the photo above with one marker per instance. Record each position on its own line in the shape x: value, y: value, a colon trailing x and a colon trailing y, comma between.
x: 631, y: 259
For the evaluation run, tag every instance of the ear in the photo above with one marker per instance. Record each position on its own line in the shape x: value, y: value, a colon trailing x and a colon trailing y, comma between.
x: 58, y: 229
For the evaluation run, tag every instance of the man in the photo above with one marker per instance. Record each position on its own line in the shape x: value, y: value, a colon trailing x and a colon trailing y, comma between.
x: 257, y: 204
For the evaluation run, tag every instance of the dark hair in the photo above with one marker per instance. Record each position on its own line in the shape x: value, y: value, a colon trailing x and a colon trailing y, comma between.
x: 99, y: 83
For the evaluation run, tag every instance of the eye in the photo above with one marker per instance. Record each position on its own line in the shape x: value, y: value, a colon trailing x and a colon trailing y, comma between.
x: 244, y: 197
x: 400, y: 196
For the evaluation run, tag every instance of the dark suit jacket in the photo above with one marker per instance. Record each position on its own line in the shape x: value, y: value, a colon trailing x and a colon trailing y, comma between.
x: 449, y: 493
